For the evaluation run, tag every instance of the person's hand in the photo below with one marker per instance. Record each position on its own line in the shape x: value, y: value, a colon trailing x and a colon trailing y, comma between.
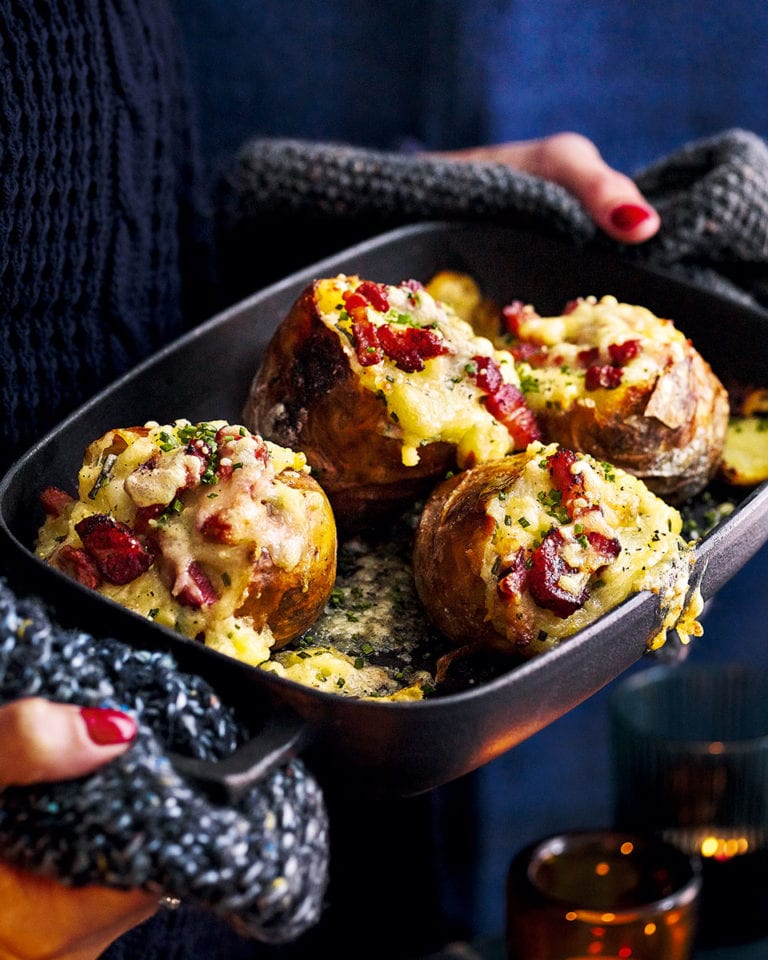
x: 611, y: 198
x: 42, y: 741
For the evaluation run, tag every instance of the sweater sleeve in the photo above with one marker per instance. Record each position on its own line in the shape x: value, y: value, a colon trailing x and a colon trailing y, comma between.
x: 97, y: 166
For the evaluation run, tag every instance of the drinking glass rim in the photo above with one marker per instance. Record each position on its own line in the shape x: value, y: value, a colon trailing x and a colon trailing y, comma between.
x: 653, y: 676
x: 683, y: 895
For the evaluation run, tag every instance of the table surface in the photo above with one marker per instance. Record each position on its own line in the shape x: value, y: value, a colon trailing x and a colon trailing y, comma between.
x: 493, y: 949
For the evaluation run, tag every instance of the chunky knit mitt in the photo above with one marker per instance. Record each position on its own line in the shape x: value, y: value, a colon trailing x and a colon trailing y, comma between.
x: 289, y: 202
x: 260, y: 862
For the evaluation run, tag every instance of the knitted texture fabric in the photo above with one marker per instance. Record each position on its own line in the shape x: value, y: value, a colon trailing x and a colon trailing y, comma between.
x: 96, y: 160
x: 712, y: 196
x: 297, y: 201
x: 260, y: 863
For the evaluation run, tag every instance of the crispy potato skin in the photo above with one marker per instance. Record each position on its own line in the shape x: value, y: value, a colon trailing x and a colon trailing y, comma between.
x: 670, y: 432
x: 448, y: 550
x: 305, y: 396
x: 290, y: 601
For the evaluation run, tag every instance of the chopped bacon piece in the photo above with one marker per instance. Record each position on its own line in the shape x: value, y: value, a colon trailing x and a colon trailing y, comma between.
x: 505, y: 402
x: 77, y: 564
x: 194, y: 587
x: 508, y: 406
x: 488, y: 376
x: 622, y: 353
x: 375, y: 294
x: 54, y: 501
x: 143, y: 516
x: 606, y: 376
x: 513, y: 314
x: 355, y: 304
x: 114, y: 548
x: 368, y: 293
x: 411, y: 346
x: 513, y: 579
x: 605, y: 548
x: 547, y: 567
x: 570, y: 484
x: 532, y: 353
x: 367, y: 346
x: 216, y: 528
x: 588, y: 357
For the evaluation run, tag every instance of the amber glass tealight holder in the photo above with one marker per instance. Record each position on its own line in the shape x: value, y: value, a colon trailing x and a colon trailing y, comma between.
x: 612, y: 895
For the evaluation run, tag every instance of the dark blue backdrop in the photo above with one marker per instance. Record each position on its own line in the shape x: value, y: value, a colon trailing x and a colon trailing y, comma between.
x: 639, y: 78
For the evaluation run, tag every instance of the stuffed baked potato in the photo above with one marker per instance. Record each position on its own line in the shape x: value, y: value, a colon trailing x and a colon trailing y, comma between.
x: 616, y: 381
x: 384, y: 389
x: 204, y: 528
x: 520, y: 553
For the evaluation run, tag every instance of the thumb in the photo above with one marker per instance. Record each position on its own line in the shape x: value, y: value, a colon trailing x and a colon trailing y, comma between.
x: 43, y: 741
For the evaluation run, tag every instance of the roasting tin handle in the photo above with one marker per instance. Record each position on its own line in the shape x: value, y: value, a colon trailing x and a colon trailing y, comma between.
x: 282, y: 737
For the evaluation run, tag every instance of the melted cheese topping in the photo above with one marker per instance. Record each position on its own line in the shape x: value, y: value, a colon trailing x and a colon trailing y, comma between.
x: 595, y: 325
x: 442, y: 402
x: 653, y: 554
x: 128, y: 470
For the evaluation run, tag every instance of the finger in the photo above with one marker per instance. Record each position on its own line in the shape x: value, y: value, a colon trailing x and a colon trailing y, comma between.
x: 43, y: 741
x: 611, y: 198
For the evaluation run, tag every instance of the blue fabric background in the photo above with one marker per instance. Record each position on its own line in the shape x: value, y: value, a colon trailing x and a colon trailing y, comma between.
x: 639, y: 79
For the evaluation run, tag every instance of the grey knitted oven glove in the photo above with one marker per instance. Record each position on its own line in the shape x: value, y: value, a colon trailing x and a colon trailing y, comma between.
x: 260, y: 863
x: 712, y: 196
x: 357, y: 186
x: 288, y: 202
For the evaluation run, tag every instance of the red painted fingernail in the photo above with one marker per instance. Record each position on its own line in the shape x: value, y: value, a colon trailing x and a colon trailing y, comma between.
x: 106, y: 726
x: 628, y: 216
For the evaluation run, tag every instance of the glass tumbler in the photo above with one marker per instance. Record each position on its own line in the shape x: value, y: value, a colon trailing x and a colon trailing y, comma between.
x: 690, y: 763
x: 612, y: 895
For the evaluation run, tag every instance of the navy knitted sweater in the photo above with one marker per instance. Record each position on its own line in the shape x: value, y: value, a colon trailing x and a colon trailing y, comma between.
x: 96, y: 180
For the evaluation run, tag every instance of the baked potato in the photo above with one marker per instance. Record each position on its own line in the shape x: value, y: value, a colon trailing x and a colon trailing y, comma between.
x: 611, y: 379
x: 204, y: 528
x: 745, y: 454
x: 614, y: 380
x: 521, y: 553
x: 385, y: 390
